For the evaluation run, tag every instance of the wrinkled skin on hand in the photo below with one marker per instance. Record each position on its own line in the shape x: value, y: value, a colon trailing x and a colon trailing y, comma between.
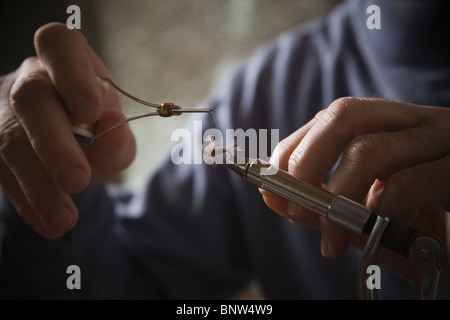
x: 395, y: 160
x: 41, y: 163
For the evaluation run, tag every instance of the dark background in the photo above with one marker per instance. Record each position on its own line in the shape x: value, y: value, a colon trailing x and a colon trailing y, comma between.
x: 20, y: 19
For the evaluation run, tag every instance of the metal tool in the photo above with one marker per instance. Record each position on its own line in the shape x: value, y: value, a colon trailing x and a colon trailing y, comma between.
x: 423, y: 251
x: 84, y: 133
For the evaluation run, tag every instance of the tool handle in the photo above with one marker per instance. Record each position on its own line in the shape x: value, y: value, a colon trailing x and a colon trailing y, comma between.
x: 345, y: 212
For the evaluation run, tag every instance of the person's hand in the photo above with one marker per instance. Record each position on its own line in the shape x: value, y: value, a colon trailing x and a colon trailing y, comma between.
x: 41, y: 163
x: 395, y: 160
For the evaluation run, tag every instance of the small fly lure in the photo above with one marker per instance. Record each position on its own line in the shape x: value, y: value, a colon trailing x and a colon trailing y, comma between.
x: 214, y: 153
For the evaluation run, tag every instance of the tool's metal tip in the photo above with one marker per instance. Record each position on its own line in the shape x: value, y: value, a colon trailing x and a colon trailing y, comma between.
x: 238, y: 165
x: 83, y: 140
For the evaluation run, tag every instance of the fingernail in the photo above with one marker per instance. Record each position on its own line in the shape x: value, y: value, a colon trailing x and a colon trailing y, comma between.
x: 324, y: 246
x: 103, y: 85
x: 292, y: 209
x: 266, y: 193
x: 85, y: 110
x: 72, y: 179
x: 59, y: 217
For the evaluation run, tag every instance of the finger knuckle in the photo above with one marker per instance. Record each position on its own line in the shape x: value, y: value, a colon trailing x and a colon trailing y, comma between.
x: 29, y: 62
x: 12, y: 138
x: 25, y: 90
x: 322, y: 114
x: 363, y: 149
x: 401, y: 185
x: 344, y: 107
x: 295, y: 159
x: 6, y: 82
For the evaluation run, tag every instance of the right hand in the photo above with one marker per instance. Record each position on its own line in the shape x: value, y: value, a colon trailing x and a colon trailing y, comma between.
x: 41, y: 163
x: 391, y: 156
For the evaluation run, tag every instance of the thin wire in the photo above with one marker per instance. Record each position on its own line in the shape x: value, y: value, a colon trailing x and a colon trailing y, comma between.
x: 175, y: 111
x: 215, y: 120
x: 123, y: 122
x: 153, y: 105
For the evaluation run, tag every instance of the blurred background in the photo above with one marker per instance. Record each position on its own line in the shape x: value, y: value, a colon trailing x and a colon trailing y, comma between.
x: 159, y: 50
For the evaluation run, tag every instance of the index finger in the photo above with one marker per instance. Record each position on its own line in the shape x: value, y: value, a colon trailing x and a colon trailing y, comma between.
x: 65, y: 55
x: 320, y: 149
x: 345, y: 119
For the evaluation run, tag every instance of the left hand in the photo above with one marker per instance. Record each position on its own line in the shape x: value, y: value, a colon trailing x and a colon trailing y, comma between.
x: 395, y: 160
x: 41, y: 163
